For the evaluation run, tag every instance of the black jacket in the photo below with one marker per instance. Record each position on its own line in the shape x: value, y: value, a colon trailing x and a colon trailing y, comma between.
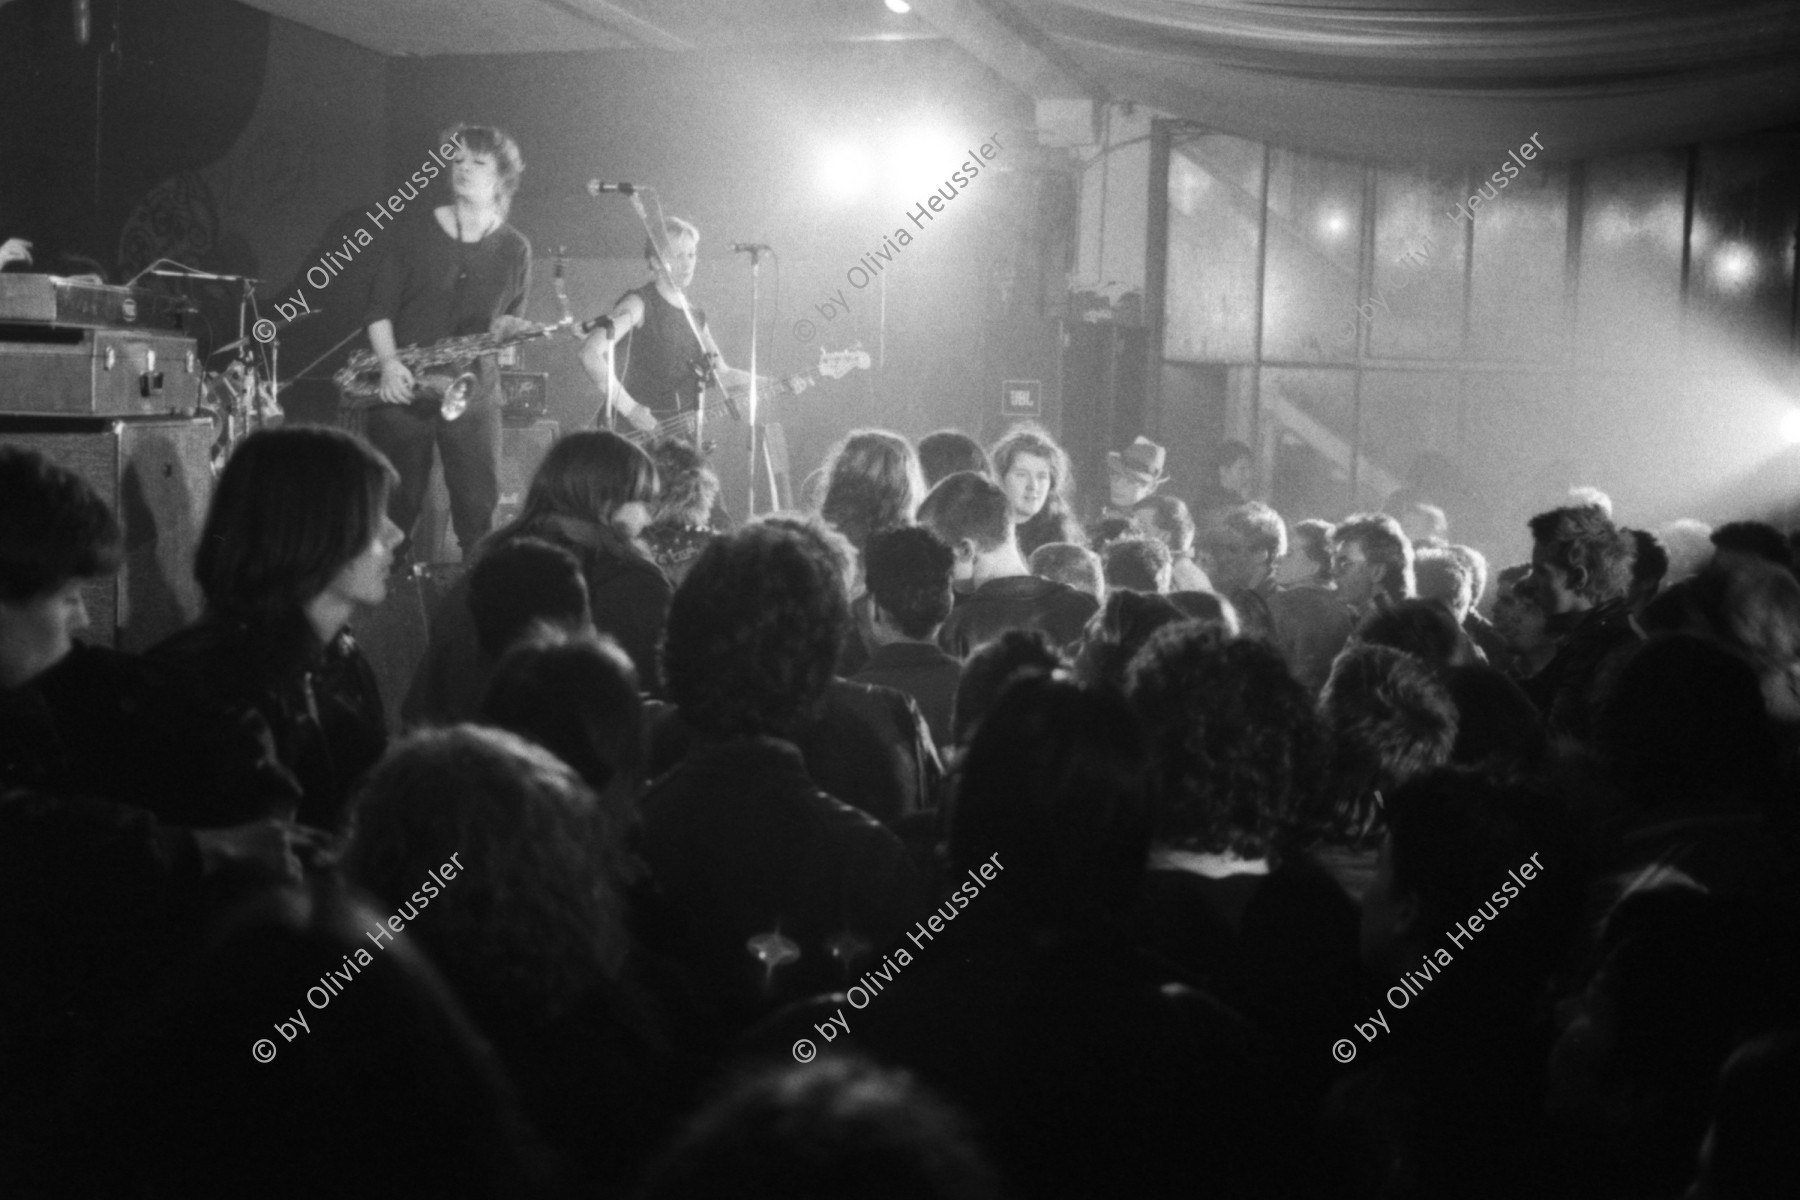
x: 321, y: 702
x: 1016, y: 602
x: 775, y: 891
x: 115, y: 725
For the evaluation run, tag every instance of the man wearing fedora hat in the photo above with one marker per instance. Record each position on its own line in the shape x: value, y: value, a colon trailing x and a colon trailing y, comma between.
x: 1132, y: 475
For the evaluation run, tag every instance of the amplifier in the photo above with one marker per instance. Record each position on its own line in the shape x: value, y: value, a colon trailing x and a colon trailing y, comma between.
x: 526, y: 396
x: 53, y: 300
x: 157, y: 476
x: 99, y: 372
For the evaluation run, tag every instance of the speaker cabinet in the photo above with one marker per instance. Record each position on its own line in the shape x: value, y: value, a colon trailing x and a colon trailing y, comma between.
x: 1103, y: 398
x: 156, y: 474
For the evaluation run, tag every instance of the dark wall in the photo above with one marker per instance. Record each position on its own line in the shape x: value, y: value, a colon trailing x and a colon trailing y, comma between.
x: 228, y: 140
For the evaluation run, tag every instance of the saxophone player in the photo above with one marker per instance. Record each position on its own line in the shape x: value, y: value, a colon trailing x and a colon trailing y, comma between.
x: 462, y: 271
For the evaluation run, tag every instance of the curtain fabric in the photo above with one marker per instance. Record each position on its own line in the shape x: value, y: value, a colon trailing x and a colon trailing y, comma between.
x: 1452, y: 83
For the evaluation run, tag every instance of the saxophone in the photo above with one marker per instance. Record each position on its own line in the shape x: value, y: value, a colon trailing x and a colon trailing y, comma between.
x: 443, y: 372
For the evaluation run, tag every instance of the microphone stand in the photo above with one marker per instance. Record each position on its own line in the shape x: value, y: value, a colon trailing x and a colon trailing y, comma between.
x: 755, y: 253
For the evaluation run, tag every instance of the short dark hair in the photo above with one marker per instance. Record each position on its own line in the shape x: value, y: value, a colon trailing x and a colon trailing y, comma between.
x: 1388, y: 718
x: 1057, y: 783
x: 1229, y: 453
x: 1108, y: 530
x: 1118, y: 630
x: 1260, y: 527
x: 968, y: 506
x: 293, y: 507
x: 1754, y: 537
x: 991, y: 667
x: 1425, y: 629
x: 1238, y: 747
x: 1649, y: 561
x: 948, y: 451
x: 753, y: 633
x: 1172, y: 517
x: 576, y: 695
x: 1140, y: 564
x: 908, y: 571
x: 522, y: 583
x: 57, y: 528
x: 1382, y: 541
x: 1313, y: 537
x: 1070, y: 564
x: 1585, y: 543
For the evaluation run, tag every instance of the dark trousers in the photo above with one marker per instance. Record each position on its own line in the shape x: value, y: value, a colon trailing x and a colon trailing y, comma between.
x: 470, y: 449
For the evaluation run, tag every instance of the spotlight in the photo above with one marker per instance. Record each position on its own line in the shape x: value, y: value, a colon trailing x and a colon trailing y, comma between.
x: 1334, y: 224
x: 1735, y: 265
x: 1790, y: 428
x: 899, y: 6
x: 921, y: 160
x: 845, y: 171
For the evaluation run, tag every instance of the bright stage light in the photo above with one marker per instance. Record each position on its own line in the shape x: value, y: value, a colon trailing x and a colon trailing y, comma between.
x: 845, y: 171
x: 1735, y: 264
x: 1790, y: 428
x: 899, y: 6
x: 922, y: 160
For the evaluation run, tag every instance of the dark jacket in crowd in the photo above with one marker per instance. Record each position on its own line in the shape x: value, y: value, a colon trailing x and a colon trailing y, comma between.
x: 114, y: 725
x: 867, y: 746
x: 1087, y: 1074
x: 321, y: 702
x: 627, y: 593
x: 1565, y: 690
x: 98, y: 900
x: 1047, y: 527
x: 1310, y: 625
x: 1016, y: 602
x: 924, y: 672
x: 1281, y: 948
x: 773, y: 889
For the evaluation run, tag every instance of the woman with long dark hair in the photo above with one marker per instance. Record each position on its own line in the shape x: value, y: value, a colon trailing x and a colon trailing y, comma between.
x: 296, y: 542
x: 591, y: 496
x: 1034, y: 473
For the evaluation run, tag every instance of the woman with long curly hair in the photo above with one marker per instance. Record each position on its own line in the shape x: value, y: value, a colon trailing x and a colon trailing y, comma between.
x: 528, y: 920
x: 590, y: 496
x: 296, y: 542
x: 1034, y: 473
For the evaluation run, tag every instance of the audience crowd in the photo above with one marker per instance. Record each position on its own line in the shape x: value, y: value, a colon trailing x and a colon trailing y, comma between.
x: 927, y: 844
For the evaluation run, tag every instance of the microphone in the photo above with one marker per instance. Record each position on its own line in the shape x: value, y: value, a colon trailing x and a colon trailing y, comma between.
x: 587, y: 327
x: 748, y: 247
x: 595, y: 188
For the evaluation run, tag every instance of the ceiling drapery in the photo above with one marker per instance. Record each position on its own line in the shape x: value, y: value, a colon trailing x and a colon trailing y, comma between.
x: 1446, y: 83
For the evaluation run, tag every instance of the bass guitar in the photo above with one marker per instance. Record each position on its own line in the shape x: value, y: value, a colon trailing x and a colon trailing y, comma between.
x: 832, y: 365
